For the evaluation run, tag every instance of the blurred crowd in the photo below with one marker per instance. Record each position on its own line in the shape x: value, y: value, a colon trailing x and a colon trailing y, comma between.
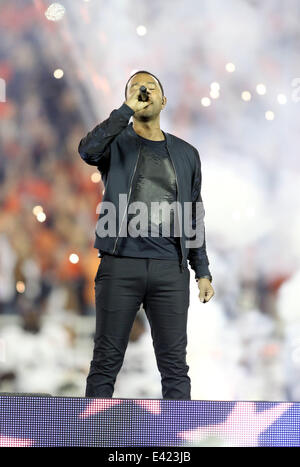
x: 40, y: 130
x: 243, y: 345
x: 39, y: 166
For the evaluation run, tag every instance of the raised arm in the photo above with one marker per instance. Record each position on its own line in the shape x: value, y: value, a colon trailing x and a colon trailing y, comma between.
x: 95, y: 146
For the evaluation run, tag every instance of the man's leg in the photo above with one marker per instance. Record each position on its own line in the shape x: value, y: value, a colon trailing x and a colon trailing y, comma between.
x: 119, y: 289
x: 166, y: 304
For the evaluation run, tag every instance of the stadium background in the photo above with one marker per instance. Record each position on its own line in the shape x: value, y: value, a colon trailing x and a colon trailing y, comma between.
x: 62, y: 72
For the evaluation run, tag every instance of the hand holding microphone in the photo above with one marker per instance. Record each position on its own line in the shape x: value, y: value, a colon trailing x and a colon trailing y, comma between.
x: 139, y: 99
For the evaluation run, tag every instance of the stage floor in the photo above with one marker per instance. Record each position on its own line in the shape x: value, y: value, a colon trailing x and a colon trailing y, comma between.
x: 31, y: 420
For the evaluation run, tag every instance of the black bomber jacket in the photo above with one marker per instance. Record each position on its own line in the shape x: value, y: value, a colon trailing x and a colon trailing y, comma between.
x: 114, y: 147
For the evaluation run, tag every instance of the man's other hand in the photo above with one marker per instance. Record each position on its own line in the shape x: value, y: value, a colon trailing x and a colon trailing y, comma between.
x: 206, y: 289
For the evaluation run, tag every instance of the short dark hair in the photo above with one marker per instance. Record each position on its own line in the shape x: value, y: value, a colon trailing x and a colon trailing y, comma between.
x: 143, y: 71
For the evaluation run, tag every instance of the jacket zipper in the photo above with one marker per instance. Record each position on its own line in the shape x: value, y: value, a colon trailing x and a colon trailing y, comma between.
x: 181, y: 265
x: 128, y: 198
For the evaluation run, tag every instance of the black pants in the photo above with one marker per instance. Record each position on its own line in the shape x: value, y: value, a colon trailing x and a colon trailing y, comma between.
x: 122, y: 284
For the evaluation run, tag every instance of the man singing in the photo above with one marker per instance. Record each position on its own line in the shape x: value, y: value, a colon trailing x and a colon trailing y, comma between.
x: 148, y: 167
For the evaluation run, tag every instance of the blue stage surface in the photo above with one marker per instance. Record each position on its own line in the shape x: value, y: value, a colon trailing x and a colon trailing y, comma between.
x: 69, y: 421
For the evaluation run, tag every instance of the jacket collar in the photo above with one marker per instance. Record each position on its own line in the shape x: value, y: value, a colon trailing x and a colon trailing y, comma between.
x: 133, y: 133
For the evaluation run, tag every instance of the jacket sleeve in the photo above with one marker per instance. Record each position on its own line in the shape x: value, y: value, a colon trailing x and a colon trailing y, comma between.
x: 197, y: 256
x: 94, y: 148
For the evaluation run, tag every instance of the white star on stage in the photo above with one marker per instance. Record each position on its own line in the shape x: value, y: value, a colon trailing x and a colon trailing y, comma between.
x: 241, y: 428
x: 99, y: 405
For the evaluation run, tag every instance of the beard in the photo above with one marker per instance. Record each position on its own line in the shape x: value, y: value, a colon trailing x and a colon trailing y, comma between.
x: 142, y: 115
x: 145, y: 118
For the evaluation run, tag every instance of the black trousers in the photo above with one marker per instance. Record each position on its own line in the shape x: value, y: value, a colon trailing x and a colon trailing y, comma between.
x: 122, y: 284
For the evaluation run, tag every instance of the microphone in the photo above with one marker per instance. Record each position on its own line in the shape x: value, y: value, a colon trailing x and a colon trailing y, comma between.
x: 143, y: 96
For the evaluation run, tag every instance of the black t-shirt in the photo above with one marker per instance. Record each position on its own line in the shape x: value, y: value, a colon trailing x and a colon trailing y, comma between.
x: 154, y: 180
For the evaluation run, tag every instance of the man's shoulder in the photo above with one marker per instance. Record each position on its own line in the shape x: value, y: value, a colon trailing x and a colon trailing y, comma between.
x: 184, y: 144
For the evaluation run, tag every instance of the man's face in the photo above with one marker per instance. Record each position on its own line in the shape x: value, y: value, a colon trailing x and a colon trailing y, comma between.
x: 156, y: 98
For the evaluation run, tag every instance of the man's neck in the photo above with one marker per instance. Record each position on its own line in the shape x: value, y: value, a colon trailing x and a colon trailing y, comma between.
x: 147, y: 130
